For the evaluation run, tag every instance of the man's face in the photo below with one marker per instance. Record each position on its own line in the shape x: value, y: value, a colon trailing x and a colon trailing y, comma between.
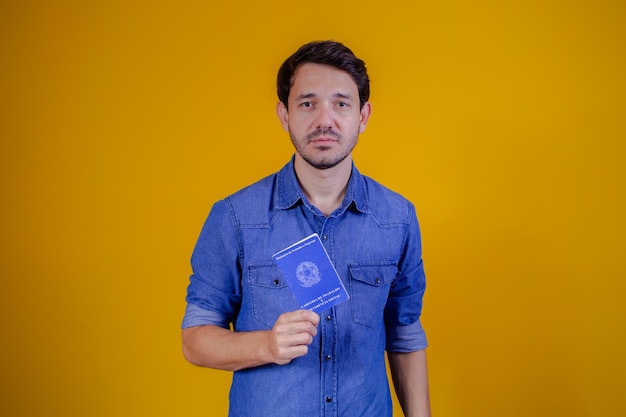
x: 324, y: 119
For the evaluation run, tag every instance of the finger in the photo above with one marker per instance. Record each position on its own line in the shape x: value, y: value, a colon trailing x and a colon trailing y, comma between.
x: 300, y: 315
x: 295, y: 327
x: 287, y: 354
x: 295, y: 339
x: 309, y: 316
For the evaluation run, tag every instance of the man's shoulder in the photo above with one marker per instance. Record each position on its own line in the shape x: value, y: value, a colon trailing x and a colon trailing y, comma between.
x: 261, y: 188
x: 252, y: 203
x: 387, y: 204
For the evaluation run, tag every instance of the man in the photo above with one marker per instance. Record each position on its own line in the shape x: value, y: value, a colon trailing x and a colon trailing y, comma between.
x: 290, y: 362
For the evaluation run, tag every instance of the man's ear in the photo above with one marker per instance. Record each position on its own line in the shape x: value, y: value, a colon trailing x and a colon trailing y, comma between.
x: 283, y: 115
x: 366, y: 111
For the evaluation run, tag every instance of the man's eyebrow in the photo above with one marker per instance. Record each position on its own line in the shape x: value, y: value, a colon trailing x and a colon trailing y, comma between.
x: 305, y: 96
x: 341, y: 95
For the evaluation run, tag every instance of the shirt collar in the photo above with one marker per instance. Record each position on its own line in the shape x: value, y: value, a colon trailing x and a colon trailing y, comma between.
x: 288, y: 192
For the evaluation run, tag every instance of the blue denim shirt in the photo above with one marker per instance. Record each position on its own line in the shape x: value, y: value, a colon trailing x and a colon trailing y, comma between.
x: 374, y: 242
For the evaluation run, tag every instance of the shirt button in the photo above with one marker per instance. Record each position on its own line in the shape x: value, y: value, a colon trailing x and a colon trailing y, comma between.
x: 329, y: 399
x: 328, y: 318
x: 325, y: 237
x: 276, y: 281
x: 378, y: 280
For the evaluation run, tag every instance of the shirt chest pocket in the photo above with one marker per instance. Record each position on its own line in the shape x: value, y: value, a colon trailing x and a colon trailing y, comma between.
x: 270, y: 295
x: 369, y: 289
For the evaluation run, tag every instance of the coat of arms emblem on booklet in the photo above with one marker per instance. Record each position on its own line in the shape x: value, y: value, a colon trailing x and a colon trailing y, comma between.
x: 311, y: 275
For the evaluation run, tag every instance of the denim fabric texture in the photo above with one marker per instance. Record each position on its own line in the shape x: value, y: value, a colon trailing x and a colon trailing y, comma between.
x: 374, y: 242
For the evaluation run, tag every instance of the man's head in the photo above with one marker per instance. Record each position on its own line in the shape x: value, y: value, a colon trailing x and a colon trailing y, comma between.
x: 329, y: 53
x: 324, y: 91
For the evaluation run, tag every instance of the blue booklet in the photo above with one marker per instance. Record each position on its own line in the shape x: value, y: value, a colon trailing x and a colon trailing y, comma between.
x: 311, y: 275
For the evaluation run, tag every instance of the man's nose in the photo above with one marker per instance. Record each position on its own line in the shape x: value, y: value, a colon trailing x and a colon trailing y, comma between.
x: 324, y: 118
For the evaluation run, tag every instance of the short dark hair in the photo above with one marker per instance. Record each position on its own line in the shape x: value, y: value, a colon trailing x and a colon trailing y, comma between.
x: 329, y: 53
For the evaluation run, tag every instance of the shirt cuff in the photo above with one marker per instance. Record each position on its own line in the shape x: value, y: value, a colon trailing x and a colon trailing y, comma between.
x: 197, y: 316
x: 409, y: 338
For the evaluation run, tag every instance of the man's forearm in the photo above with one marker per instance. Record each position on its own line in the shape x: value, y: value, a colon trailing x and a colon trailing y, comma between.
x: 410, y: 379
x: 215, y: 347
x: 219, y: 348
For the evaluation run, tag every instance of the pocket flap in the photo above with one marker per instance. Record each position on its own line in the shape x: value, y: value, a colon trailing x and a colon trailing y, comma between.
x: 266, y: 274
x: 374, y: 274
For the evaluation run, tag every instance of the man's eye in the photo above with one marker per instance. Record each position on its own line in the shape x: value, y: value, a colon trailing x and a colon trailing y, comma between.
x: 342, y: 104
x: 307, y: 104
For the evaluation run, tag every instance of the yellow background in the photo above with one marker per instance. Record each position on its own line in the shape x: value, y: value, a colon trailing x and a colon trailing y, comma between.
x: 123, y: 121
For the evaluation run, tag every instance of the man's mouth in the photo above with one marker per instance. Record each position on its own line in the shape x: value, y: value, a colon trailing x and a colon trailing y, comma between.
x: 323, y: 135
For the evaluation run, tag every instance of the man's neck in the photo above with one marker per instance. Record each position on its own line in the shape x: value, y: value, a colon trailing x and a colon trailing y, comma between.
x: 324, y: 188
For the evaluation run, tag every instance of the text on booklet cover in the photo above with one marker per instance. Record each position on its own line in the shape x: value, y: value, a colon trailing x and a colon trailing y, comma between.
x: 313, y: 280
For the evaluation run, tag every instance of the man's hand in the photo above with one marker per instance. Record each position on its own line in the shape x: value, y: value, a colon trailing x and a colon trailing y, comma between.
x: 291, y: 336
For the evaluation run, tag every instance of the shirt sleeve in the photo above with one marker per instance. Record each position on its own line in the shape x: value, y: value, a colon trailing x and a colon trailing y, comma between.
x: 404, y: 306
x: 198, y: 316
x: 214, y: 291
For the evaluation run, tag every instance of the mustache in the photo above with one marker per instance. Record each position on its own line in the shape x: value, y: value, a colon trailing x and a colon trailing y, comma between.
x: 322, y: 132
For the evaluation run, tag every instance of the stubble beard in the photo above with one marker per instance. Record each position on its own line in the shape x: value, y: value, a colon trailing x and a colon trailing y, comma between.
x: 321, y: 160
